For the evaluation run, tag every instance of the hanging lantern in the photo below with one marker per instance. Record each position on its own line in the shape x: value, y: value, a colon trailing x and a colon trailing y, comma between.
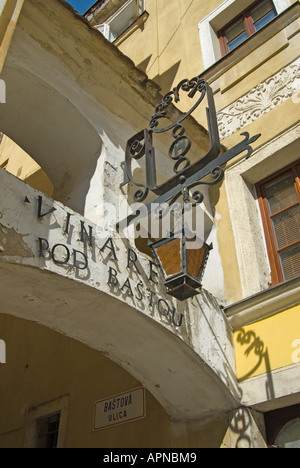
x: 182, y: 260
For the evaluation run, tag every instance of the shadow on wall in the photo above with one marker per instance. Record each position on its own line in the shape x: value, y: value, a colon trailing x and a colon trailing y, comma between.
x: 165, y: 80
x: 258, y: 355
x: 18, y: 163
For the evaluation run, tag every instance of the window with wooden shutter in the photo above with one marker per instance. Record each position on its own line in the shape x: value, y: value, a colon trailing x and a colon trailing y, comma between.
x: 279, y: 200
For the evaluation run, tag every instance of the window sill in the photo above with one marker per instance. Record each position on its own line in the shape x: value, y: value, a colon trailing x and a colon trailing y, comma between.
x: 264, y: 304
x: 132, y: 28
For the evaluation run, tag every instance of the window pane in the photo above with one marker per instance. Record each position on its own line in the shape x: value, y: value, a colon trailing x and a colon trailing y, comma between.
x: 236, y: 29
x: 262, y: 14
x: 47, y: 431
x: 236, y: 42
x: 235, y: 34
x: 264, y: 20
x: 260, y: 10
x: 281, y: 194
x: 290, y: 262
x: 287, y: 226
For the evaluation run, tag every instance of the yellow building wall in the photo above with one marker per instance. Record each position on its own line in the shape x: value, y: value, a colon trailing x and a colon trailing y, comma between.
x: 168, y: 47
x: 9, y: 14
x: 43, y: 365
x: 16, y: 161
x: 269, y: 344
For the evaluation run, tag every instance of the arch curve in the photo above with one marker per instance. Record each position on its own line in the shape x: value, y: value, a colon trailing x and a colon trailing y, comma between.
x: 176, y: 376
x: 53, y: 132
x: 184, y: 365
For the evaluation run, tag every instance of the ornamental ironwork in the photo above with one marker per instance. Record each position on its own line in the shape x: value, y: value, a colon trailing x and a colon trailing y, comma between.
x: 208, y: 170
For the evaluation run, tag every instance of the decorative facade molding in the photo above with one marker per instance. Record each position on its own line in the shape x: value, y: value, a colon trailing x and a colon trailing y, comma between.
x: 260, y: 100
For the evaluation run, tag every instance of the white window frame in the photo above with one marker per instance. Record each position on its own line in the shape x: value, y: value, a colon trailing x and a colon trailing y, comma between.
x: 215, y: 21
x: 107, y: 28
x: 244, y: 211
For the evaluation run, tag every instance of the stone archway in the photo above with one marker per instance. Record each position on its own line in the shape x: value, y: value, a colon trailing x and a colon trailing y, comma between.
x: 56, y: 271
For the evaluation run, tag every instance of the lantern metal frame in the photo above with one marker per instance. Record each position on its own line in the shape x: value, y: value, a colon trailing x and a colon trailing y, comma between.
x: 182, y: 284
x: 185, y: 175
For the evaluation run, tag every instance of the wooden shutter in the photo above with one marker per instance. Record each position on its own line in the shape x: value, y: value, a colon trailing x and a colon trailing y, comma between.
x: 279, y: 200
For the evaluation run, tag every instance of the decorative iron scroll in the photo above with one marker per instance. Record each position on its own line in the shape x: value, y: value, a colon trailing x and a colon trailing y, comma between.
x: 186, y: 175
x: 192, y: 87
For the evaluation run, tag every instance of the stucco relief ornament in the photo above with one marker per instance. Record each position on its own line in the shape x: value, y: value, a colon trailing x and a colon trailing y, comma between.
x: 260, y: 100
x: 207, y: 170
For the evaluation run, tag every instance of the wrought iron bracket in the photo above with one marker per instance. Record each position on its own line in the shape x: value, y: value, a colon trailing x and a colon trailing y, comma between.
x: 187, y: 175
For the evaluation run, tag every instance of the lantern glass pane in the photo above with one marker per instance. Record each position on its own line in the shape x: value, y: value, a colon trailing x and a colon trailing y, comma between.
x: 195, y: 258
x: 170, y: 256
